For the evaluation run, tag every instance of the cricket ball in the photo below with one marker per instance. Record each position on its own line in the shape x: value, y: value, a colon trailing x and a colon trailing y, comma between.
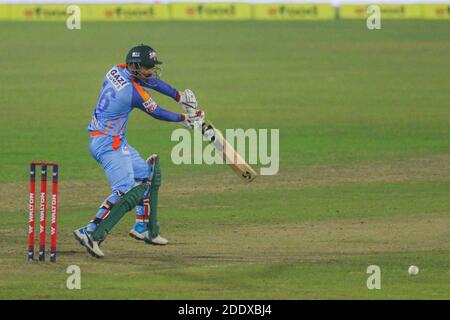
x: 413, y: 270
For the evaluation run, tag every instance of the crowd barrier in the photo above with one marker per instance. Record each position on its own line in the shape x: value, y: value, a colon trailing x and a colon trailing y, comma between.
x: 219, y: 11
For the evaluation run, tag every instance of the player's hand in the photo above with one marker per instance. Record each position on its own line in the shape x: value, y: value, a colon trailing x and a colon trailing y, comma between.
x: 193, y: 120
x: 188, y: 101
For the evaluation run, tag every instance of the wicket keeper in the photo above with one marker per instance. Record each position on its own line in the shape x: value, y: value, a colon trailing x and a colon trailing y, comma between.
x: 129, y: 175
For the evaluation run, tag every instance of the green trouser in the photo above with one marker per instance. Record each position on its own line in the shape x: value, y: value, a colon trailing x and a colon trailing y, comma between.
x: 130, y: 200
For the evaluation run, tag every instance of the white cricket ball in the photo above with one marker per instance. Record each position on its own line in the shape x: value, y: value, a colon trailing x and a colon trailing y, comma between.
x: 413, y: 270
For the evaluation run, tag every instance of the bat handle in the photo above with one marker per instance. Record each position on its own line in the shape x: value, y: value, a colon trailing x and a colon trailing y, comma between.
x: 207, y: 127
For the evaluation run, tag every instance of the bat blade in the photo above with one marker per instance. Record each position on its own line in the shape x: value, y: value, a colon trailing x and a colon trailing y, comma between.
x: 231, y: 157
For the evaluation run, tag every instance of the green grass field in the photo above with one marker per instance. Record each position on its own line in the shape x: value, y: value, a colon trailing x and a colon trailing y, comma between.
x: 364, y: 160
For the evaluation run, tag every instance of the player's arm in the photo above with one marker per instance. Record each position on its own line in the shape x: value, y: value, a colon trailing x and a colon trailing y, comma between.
x: 162, y: 87
x: 186, y: 98
x: 142, y: 100
x: 187, y: 120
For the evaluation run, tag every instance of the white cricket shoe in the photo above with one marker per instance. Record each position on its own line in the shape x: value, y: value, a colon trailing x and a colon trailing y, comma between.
x: 158, y: 240
x: 86, y: 240
x: 94, y: 250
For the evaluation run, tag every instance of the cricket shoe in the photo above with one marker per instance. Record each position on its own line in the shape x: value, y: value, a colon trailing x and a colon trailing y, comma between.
x: 139, y: 231
x: 86, y: 240
x: 158, y: 240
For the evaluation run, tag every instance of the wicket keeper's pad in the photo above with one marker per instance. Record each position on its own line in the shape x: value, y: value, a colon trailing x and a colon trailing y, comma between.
x: 153, y: 224
x: 127, y: 203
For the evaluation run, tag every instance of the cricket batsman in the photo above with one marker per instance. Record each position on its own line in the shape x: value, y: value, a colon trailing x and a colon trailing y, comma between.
x: 134, y: 181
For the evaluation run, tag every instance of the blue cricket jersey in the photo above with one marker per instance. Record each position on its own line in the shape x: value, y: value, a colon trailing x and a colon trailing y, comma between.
x: 120, y: 94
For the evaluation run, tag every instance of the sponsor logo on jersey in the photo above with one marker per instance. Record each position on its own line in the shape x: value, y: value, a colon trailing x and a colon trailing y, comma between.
x: 116, y: 79
x: 150, y: 105
x: 125, y: 150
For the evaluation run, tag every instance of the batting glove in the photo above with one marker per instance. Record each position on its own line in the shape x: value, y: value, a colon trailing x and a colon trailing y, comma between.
x: 188, y: 101
x: 193, y: 120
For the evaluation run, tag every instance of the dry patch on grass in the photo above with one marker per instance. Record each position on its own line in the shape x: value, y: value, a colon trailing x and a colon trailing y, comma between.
x: 311, y: 241
x: 72, y: 194
x: 416, y: 169
x: 85, y: 194
x: 422, y: 169
x: 319, y: 242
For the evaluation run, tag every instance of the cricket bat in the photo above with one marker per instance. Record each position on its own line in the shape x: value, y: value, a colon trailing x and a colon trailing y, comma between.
x: 229, y: 154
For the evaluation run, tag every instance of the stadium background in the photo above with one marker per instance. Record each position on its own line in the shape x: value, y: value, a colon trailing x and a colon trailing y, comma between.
x: 364, y: 149
x: 115, y: 10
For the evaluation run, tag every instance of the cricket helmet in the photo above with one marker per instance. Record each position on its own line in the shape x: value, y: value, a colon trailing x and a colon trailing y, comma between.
x: 143, y: 55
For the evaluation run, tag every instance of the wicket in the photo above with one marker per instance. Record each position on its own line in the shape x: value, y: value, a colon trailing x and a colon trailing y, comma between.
x: 43, y: 211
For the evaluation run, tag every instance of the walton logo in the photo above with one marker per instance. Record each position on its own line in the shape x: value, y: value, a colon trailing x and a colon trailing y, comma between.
x: 42, y: 206
x: 130, y: 13
x: 293, y: 11
x: 221, y: 11
x: 31, y: 206
x: 41, y: 12
x: 54, y: 203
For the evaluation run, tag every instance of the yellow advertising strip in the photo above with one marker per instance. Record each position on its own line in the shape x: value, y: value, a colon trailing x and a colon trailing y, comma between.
x: 388, y: 11
x: 436, y: 11
x: 218, y: 11
x: 125, y: 12
x: 293, y: 11
x: 35, y: 12
x: 111, y: 12
x: 4, y: 12
x: 210, y: 11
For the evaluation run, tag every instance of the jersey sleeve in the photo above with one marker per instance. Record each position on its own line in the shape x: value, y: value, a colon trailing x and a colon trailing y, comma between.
x: 142, y: 100
x: 162, y: 87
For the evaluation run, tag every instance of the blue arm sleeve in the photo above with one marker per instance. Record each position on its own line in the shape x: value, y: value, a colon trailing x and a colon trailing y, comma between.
x: 161, y: 87
x: 165, y: 115
x: 150, y: 107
